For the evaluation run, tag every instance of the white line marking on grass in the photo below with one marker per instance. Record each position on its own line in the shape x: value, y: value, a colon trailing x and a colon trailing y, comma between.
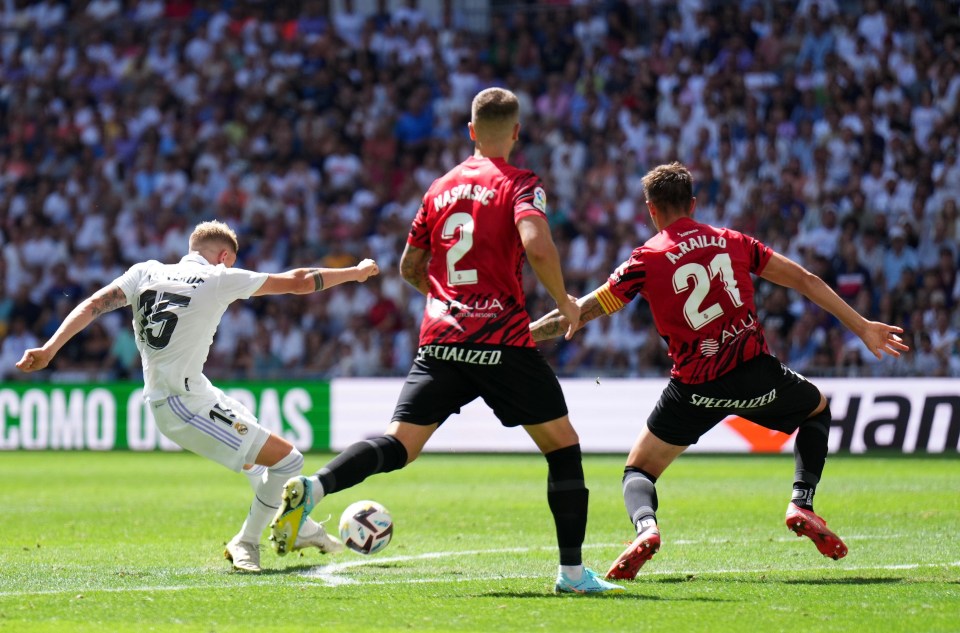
x: 329, y: 575
x: 329, y: 578
x: 334, y: 568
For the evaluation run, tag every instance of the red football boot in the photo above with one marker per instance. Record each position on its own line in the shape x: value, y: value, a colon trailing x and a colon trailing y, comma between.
x: 637, y: 553
x: 806, y: 523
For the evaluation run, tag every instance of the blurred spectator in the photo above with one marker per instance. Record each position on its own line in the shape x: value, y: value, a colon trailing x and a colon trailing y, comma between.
x: 826, y: 128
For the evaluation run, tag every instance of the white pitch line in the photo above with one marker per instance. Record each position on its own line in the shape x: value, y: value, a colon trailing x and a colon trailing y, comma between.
x: 360, y: 562
x: 674, y: 572
x: 328, y: 574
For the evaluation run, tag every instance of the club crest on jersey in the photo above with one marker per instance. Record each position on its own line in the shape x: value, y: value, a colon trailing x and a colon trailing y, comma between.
x: 540, y: 199
x: 241, y: 428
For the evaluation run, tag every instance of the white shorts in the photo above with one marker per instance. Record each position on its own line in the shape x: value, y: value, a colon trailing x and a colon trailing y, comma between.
x: 213, y: 425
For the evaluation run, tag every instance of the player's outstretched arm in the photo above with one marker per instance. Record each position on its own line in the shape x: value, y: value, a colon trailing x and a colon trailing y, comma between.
x: 301, y: 281
x: 104, y: 300
x: 545, y: 261
x: 553, y: 324
x: 880, y: 338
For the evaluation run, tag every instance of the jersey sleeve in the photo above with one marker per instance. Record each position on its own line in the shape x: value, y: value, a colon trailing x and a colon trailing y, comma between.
x: 237, y: 283
x: 419, y: 236
x: 529, y: 197
x: 758, y: 254
x: 624, y: 284
x: 129, y: 281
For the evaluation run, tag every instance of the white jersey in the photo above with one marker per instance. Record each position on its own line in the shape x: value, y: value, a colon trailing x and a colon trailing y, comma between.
x: 176, y: 311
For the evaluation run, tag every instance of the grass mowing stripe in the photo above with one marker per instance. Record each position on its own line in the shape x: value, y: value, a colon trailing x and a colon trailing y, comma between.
x: 127, y: 543
x: 255, y: 581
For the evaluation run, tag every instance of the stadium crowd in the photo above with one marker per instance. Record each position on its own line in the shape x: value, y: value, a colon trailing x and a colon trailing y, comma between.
x: 826, y: 128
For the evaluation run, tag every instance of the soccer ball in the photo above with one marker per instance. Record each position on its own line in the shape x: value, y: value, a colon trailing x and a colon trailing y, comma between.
x: 366, y: 527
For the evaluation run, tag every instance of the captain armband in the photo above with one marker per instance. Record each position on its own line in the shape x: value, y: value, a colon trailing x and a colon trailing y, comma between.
x: 607, y: 300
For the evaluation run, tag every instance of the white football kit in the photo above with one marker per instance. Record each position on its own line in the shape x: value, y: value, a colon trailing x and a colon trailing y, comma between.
x: 176, y: 311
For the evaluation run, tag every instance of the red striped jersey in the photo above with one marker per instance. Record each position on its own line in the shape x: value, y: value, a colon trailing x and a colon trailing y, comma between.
x: 468, y: 222
x: 696, y: 278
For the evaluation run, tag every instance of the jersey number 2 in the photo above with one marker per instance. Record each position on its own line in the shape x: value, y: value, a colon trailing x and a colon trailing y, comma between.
x: 463, y: 221
x: 695, y: 314
x: 156, y: 321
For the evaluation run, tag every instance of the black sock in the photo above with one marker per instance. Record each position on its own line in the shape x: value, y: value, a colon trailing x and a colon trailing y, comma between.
x: 803, y: 495
x: 360, y: 460
x: 567, y: 496
x: 810, y: 455
x: 639, y: 495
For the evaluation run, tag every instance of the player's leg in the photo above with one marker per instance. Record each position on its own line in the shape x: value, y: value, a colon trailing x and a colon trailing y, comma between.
x: 798, y: 406
x: 399, y: 446
x: 523, y: 388
x: 648, y: 459
x: 357, y: 462
x: 567, y: 497
x: 275, y: 462
x: 225, y: 431
x: 810, y: 453
x: 429, y: 393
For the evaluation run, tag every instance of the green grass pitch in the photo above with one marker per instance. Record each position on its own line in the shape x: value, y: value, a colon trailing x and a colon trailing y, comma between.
x: 133, y: 542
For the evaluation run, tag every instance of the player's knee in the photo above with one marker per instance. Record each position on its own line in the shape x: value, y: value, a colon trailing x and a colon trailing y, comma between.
x: 289, y: 465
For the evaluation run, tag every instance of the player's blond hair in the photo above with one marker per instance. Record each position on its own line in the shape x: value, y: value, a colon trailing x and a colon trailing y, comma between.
x: 216, y: 232
x: 494, y: 111
x: 669, y: 187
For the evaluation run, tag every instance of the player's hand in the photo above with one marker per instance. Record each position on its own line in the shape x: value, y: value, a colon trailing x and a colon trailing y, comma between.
x: 570, y: 311
x: 367, y: 268
x: 881, y: 339
x: 35, y: 359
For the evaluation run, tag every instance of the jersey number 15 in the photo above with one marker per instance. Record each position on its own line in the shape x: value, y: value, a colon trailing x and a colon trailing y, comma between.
x: 157, y: 322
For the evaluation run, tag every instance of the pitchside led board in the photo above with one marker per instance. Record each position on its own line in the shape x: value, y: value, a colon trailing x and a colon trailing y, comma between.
x: 910, y: 416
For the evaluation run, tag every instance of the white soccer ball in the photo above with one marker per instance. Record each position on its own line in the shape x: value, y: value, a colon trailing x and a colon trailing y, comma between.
x: 366, y: 527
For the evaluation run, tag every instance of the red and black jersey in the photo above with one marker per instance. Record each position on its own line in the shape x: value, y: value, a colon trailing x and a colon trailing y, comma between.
x: 696, y: 278
x: 468, y: 222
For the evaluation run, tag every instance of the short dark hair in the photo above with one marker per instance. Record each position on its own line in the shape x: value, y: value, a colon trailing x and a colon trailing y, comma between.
x: 669, y: 187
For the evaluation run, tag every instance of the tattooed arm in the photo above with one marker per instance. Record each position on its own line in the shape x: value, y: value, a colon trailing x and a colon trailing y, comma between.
x: 552, y: 324
x: 102, y: 301
x: 301, y: 281
x: 413, y: 268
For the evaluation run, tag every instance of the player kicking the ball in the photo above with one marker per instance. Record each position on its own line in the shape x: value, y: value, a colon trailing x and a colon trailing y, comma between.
x: 176, y: 310
x: 697, y: 281
x: 465, y: 252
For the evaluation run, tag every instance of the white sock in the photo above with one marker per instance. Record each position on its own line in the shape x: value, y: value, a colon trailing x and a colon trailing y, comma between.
x: 266, y: 498
x: 255, y: 475
x: 316, y: 490
x: 643, y: 524
x: 308, y: 529
x: 573, y: 572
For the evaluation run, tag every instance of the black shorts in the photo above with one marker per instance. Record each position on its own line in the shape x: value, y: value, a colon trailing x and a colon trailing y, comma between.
x: 762, y: 390
x: 516, y: 382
